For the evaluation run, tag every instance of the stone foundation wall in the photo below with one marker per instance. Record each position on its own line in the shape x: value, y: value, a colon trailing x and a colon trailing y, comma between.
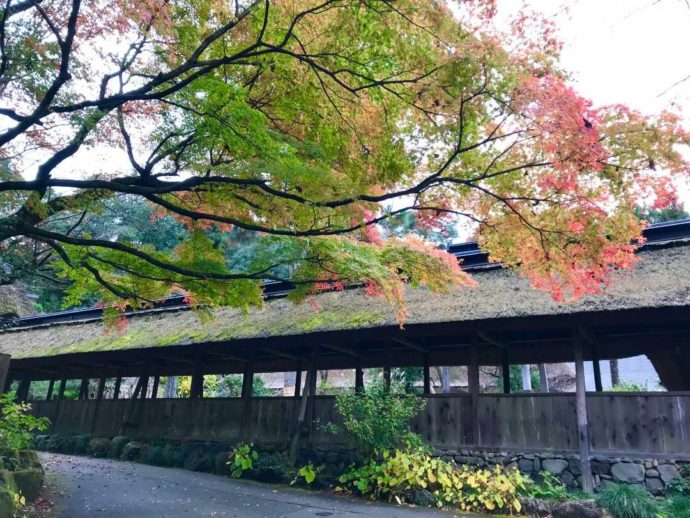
x: 650, y: 474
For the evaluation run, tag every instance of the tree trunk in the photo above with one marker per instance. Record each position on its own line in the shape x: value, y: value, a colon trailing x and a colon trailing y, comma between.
x: 526, y: 378
x: 170, y: 387
x: 445, y: 379
x: 615, y: 375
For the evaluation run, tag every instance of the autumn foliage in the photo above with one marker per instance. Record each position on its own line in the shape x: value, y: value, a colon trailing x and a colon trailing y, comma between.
x: 310, y: 122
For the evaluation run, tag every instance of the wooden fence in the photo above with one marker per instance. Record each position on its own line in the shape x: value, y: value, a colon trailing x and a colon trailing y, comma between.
x: 640, y: 424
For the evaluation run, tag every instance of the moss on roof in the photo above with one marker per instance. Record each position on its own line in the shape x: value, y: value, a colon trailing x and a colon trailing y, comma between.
x: 661, y: 279
x: 15, y: 302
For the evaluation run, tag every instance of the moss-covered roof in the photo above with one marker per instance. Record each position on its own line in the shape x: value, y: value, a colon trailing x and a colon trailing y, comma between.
x: 661, y: 279
x: 14, y: 301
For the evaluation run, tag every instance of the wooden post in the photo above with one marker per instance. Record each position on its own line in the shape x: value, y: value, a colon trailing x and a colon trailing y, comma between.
x: 51, y: 385
x: 582, y: 424
x: 596, y: 367
x: 312, y: 393
x: 99, y: 398
x: 197, y: 388
x: 61, y: 389
x: 101, y: 389
x: 116, y: 390
x: 426, y: 374
x: 543, y: 378
x: 298, y: 378
x: 359, y: 376
x: 84, y: 389
x: 302, y: 415
x: 23, y: 390
x: 131, y: 406
x: 505, y: 371
x: 154, y: 389
x: 4, y: 372
x: 473, y: 382
x: 387, y: 366
x: 247, y: 384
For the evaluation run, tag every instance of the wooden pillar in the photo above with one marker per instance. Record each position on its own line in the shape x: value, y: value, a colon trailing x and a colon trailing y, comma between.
x: 302, y: 415
x: 312, y: 393
x: 426, y: 374
x: 197, y: 388
x: 473, y: 382
x: 359, y: 375
x: 4, y: 372
x: 247, y: 384
x: 51, y: 386
x: 596, y: 367
x: 101, y: 389
x: 131, y: 406
x: 61, y: 389
x: 116, y: 390
x: 505, y: 371
x: 154, y: 389
x: 615, y: 373
x: 84, y: 389
x: 387, y: 366
x: 23, y: 390
x: 298, y: 378
x: 543, y: 378
x: 582, y: 424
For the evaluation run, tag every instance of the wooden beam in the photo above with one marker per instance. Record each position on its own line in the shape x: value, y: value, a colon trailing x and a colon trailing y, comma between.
x: 84, y: 389
x: 61, y: 390
x: 298, y: 379
x: 505, y: 371
x: 387, y: 366
x: 596, y: 367
x: 116, y: 390
x: 154, y: 389
x: 4, y: 371
x: 281, y: 354
x: 359, y: 376
x: 101, y: 389
x: 342, y: 349
x: 426, y: 374
x: 473, y: 381
x: 197, y: 388
x: 581, y: 410
x: 411, y: 344
x: 51, y: 386
x: 23, y: 389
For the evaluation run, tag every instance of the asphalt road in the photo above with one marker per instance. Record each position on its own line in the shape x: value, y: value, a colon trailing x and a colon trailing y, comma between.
x: 83, y: 487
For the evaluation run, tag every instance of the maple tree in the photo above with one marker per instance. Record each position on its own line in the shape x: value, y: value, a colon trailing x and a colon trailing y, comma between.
x: 301, y: 120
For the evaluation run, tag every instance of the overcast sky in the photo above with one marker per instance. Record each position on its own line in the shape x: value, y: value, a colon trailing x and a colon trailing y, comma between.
x: 624, y: 51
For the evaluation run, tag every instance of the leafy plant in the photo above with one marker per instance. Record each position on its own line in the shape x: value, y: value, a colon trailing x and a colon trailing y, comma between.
x: 242, y: 458
x: 17, y: 424
x: 549, y: 488
x: 626, y: 501
x: 377, y: 419
x: 680, y: 486
x: 626, y: 386
x: 401, y: 474
x: 306, y: 472
x: 676, y: 506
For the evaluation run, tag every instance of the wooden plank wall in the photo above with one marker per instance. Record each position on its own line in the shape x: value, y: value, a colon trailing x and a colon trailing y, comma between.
x: 620, y: 423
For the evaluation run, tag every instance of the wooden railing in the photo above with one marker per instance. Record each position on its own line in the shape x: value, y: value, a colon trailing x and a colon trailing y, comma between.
x: 643, y: 424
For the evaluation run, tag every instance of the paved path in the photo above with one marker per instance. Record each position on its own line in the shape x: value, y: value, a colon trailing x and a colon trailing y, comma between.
x: 84, y: 487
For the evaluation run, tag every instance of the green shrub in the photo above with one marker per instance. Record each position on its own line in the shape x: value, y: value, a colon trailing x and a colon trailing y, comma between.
x: 242, y: 458
x: 401, y: 475
x: 378, y: 419
x: 676, y: 506
x: 17, y: 424
x: 306, y: 473
x: 626, y: 501
x: 549, y: 488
